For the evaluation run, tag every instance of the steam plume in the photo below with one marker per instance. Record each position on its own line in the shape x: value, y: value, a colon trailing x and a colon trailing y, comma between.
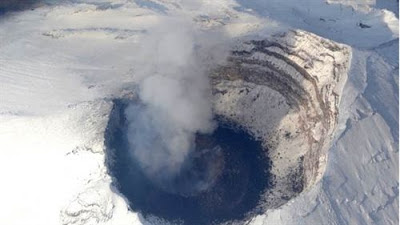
x: 175, y: 96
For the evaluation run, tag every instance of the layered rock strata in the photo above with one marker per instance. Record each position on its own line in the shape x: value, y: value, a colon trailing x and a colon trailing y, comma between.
x: 285, y: 90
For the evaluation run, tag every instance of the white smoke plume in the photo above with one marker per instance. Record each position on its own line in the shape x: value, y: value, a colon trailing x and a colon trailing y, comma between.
x: 174, y: 93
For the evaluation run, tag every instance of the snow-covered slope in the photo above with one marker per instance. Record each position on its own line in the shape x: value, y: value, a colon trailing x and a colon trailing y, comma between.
x: 61, y: 63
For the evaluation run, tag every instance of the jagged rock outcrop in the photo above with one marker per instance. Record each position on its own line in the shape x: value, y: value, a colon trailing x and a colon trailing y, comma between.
x: 285, y: 90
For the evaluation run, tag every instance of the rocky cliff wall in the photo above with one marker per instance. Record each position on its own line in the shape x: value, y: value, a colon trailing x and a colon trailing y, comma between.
x: 285, y: 90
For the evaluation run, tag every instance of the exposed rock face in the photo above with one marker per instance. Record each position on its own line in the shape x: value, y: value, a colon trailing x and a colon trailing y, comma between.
x: 285, y: 90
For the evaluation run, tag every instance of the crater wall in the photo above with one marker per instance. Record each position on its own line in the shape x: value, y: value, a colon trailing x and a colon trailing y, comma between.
x: 285, y: 90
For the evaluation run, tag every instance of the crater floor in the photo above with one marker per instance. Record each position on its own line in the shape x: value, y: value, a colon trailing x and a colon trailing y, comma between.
x: 223, y: 180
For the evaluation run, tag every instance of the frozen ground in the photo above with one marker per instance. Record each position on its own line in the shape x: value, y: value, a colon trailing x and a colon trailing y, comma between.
x: 61, y: 63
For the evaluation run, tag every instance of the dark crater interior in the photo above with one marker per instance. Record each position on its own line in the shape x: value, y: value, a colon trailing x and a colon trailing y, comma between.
x: 224, y: 180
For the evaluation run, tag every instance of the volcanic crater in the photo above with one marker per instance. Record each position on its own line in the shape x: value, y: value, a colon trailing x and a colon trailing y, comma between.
x: 276, y: 104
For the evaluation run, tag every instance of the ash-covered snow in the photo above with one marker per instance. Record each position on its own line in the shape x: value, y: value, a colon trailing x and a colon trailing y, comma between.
x: 61, y: 64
